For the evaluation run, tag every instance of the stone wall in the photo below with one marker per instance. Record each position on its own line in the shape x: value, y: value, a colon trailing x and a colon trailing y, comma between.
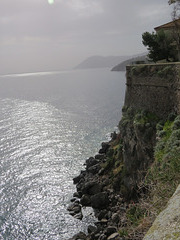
x: 154, y: 87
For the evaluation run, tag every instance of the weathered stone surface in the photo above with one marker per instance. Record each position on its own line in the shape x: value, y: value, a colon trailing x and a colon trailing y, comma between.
x: 94, y: 169
x: 91, y: 229
x: 102, y: 214
x: 76, y: 195
x: 167, y: 224
x: 85, y: 200
x: 79, y: 236
x: 105, y: 147
x: 78, y: 178
x: 115, y: 218
x: 78, y: 216
x: 100, y: 156
x: 147, y: 90
x: 91, y: 162
x: 99, y: 200
x: 110, y: 230
x: 113, y: 236
x: 91, y: 188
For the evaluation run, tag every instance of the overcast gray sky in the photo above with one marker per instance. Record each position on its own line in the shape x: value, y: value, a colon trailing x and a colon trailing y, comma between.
x: 38, y: 36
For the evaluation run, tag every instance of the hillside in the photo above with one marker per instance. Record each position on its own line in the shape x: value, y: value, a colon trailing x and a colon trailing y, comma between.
x: 101, y: 62
x: 122, y: 66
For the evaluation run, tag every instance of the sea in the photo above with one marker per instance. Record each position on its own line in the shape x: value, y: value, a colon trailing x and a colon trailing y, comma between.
x: 50, y: 123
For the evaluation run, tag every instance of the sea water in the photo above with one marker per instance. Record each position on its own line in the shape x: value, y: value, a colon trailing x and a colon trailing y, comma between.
x: 50, y: 123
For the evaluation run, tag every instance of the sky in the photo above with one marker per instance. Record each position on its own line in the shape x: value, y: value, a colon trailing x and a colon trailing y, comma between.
x: 55, y: 35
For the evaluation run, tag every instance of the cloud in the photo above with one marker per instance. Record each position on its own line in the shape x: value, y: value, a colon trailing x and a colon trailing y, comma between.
x: 70, y: 30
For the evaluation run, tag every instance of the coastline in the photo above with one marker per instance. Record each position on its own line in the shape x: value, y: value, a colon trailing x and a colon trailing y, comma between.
x: 127, y: 182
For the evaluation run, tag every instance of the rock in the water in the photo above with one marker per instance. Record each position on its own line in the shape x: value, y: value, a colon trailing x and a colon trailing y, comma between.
x: 91, y: 229
x: 105, y: 147
x: 91, y: 188
x: 91, y: 162
x: 75, y: 210
x: 76, y: 179
x: 79, y: 236
x: 76, y: 195
x: 74, y: 207
x: 100, y: 156
x: 78, y: 216
x: 85, y: 200
x: 94, y: 169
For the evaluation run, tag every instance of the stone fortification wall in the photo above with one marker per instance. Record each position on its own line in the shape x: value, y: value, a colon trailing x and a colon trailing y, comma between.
x: 154, y: 87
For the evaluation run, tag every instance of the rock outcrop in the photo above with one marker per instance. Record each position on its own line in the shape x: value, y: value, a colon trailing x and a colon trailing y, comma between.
x: 137, y: 171
x: 167, y: 224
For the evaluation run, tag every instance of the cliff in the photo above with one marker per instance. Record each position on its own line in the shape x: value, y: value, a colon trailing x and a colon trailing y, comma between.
x: 134, y: 175
x: 101, y: 62
x: 122, y: 66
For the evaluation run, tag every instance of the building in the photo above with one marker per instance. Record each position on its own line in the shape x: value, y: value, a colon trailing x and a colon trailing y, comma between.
x: 168, y: 26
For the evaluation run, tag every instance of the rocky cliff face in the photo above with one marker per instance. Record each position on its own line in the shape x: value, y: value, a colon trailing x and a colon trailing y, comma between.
x: 138, y: 132
x: 129, y: 182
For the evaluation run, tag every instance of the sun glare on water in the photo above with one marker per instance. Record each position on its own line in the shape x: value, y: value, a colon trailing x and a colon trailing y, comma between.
x: 50, y: 1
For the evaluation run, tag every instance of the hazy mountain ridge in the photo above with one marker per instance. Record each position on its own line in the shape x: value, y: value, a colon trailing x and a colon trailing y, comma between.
x: 109, y: 61
x: 122, y: 66
x: 101, y: 61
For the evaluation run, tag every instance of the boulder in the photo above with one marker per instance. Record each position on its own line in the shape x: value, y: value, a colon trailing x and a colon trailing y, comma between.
x: 79, y: 236
x: 91, y: 162
x: 105, y: 147
x: 114, y: 236
x: 115, y: 218
x: 78, y: 216
x: 100, y: 156
x: 91, y: 229
x: 80, y: 177
x: 76, y: 195
x: 110, y: 230
x: 85, y: 200
x: 94, y: 169
x: 99, y: 200
x: 91, y: 188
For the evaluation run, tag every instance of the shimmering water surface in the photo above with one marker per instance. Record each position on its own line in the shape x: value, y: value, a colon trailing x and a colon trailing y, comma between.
x: 49, y: 124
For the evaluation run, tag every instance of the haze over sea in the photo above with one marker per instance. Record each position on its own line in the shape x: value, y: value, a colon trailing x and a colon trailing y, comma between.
x: 50, y: 123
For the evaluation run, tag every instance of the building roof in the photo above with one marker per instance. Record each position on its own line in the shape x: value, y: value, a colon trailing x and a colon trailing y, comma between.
x: 168, y: 25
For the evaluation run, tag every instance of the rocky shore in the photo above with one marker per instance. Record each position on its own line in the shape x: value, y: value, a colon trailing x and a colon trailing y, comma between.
x: 127, y: 182
x: 130, y: 181
x: 94, y: 189
x: 113, y: 182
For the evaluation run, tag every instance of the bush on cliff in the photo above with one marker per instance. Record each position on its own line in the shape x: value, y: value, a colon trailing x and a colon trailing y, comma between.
x: 163, y: 176
x: 155, y: 182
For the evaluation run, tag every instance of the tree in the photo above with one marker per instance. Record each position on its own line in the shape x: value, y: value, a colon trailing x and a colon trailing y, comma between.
x: 176, y: 29
x: 159, y: 45
x: 173, y: 1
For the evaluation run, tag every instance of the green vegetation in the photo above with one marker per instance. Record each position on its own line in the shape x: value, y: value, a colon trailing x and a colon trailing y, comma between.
x: 161, y: 178
x: 114, y: 162
x: 160, y: 46
x: 160, y: 71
